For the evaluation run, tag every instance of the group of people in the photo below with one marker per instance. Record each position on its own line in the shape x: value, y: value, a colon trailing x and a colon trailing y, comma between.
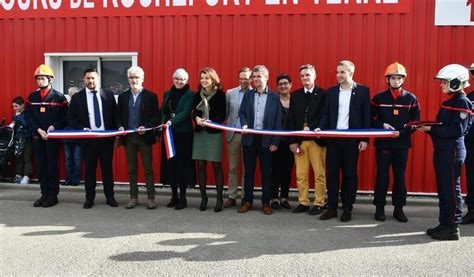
x: 253, y: 105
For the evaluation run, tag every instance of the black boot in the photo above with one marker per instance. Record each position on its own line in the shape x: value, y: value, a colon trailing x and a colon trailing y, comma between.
x: 174, y: 197
x: 380, y: 213
x: 469, y: 217
x: 182, y: 202
x: 447, y: 232
x: 40, y: 201
x: 50, y: 201
x: 433, y: 230
x: 219, y: 199
x: 202, y: 188
x: 399, y: 215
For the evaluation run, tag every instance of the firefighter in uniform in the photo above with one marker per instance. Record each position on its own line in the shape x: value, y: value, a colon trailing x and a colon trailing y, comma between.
x: 469, y: 141
x: 46, y: 110
x: 455, y: 116
x: 392, y: 109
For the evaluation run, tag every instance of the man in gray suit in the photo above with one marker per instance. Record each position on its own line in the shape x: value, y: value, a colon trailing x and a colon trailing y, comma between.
x: 233, y: 100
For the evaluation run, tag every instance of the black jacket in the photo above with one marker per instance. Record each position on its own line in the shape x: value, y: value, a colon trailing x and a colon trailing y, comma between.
x: 396, y: 112
x: 359, y: 109
x: 455, y: 115
x: 149, y: 113
x: 42, y: 113
x: 470, y: 135
x: 297, y: 112
x: 217, y: 112
x: 78, y: 115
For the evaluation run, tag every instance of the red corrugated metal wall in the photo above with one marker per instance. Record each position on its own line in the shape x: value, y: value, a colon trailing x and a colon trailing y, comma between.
x: 282, y: 42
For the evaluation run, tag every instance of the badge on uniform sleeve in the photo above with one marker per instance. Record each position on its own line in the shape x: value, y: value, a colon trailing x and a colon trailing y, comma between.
x: 463, y: 115
x: 42, y: 109
x: 395, y: 112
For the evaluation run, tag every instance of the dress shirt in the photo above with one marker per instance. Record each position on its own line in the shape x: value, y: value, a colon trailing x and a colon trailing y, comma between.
x: 90, y: 109
x: 259, y: 108
x: 344, y: 105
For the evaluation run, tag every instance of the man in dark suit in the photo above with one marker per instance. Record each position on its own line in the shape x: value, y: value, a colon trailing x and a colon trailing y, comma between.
x: 95, y: 109
x: 306, y: 105
x: 260, y: 109
x: 138, y: 109
x: 347, y: 107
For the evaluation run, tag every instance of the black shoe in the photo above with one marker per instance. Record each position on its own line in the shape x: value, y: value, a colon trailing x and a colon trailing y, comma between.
x: 173, y: 202
x: 447, y: 232
x: 112, y: 203
x: 275, y: 205
x: 66, y: 184
x: 300, y: 209
x: 433, y: 230
x: 203, y: 205
x: 380, y: 213
x: 468, y: 218
x: 316, y: 210
x: 181, y: 204
x: 49, y: 202
x: 285, y: 205
x: 40, y: 201
x: 74, y: 184
x: 88, y: 204
x: 330, y: 213
x: 399, y: 215
x: 219, y: 205
x: 346, y: 216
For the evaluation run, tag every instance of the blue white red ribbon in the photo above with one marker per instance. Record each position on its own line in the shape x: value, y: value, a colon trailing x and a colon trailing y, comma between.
x: 350, y: 133
x: 169, y: 142
x: 81, y: 134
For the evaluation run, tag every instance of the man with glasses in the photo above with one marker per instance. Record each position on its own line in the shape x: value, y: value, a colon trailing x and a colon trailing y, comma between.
x: 233, y: 100
x: 306, y: 107
x: 138, y: 109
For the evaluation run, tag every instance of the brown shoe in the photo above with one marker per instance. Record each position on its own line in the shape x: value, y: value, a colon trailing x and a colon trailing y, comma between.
x: 229, y: 203
x: 245, y: 207
x: 267, y: 209
x: 151, y: 204
x: 132, y: 204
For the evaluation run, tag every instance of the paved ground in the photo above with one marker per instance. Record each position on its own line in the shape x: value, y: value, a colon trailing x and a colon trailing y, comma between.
x: 68, y: 240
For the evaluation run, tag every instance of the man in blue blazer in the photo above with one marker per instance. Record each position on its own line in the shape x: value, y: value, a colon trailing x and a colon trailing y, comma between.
x: 347, y: 107
x: 260, y: 109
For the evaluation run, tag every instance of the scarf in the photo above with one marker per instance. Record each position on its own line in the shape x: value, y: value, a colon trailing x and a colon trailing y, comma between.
x: 203, y: 106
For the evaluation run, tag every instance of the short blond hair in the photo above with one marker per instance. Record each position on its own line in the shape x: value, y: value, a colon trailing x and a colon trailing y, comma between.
x: 348, y: 64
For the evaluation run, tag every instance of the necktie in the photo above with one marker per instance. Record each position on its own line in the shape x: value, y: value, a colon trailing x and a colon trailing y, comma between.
x: 96, y: 109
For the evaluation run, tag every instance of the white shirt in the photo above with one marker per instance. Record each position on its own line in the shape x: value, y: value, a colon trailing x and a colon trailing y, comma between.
x: 344, y: 105
x: 90, y: 109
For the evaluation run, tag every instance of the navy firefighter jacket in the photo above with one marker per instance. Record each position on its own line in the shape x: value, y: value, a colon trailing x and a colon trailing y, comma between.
x: 470, y: 135
x: 456, y: 116
x: 42, y: 113
x: 396, y: 112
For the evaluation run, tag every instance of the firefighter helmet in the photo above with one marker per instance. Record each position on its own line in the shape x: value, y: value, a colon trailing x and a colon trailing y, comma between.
x: 395, y: 69
x: 457, y: 76
x: 44, y: 70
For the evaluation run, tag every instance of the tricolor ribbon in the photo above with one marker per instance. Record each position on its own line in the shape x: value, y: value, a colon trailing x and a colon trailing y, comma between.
x: 350, y: 133
x: 81, y: 134
x: 169, y: 142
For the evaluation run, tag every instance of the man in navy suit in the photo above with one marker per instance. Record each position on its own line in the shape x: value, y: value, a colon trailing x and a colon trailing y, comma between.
x: 260, y: 109
x: 95, y: 109
x: 347, y: 107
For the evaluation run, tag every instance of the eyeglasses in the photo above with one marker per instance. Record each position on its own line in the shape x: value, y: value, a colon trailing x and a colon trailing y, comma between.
x: 283, y: 84
x: 179, y: 79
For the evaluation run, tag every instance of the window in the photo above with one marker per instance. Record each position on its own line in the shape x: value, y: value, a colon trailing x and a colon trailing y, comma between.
x: 69, y: 69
